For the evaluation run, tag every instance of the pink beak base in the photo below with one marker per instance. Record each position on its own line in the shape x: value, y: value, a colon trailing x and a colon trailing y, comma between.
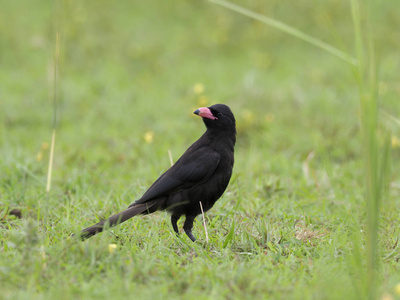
x: 205, y: 112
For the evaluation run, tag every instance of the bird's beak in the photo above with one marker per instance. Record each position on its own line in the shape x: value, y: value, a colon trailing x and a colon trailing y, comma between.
x: 205, y: 112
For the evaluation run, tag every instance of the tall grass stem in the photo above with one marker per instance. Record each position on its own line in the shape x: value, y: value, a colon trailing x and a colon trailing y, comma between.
x: 288, y: 29
x: 55, y: 101
x: 204, y: 222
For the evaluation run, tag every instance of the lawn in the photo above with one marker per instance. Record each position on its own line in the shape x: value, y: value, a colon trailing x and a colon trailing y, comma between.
x: 293, y: 221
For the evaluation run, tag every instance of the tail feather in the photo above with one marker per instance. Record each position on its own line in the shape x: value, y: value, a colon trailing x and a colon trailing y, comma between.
x: 116, y: 219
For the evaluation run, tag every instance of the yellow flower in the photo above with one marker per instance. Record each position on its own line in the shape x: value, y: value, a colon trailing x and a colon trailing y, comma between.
x: 395, y: 142
x: 148, y: 136
x: 39, y: 156
x: 198, y: 88
x: 111, y: 248
x: 45, y: 146
x: 397, y: 289
x: 269, y: 118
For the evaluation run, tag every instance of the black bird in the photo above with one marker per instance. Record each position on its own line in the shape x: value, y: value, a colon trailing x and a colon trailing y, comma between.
x: 200, y: 175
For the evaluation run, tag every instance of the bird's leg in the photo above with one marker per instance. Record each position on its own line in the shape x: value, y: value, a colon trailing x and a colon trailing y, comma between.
x: 187, y: 226
x: 174, y: 221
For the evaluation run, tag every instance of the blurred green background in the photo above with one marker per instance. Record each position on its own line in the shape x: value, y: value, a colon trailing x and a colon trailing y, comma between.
x: 131, y: 74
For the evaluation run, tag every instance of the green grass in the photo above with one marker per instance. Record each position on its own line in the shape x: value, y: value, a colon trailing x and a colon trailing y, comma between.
x: 293, y: 222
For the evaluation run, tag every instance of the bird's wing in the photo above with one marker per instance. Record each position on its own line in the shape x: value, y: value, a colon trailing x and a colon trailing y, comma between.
x: 192, y: 168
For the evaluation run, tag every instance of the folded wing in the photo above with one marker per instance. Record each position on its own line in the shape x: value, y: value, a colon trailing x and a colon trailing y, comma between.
x: 194, y: 167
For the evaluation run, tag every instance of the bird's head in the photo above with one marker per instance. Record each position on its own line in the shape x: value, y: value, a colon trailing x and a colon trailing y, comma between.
x: 218, y: 116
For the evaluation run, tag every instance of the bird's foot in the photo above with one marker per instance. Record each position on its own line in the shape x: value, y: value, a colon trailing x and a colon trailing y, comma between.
x: 190, y: 235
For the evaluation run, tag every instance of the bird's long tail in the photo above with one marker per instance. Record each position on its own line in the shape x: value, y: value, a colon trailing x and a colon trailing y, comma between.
x: 117, y: 219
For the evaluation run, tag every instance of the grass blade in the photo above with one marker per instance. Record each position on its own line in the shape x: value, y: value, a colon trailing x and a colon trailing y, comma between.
x: 55, y: 101
x: 230, y: 235
x: 376, y: 157
x: 289, y: 30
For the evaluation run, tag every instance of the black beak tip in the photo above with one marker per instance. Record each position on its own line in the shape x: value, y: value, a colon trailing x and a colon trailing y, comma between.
x: 197, y: 111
